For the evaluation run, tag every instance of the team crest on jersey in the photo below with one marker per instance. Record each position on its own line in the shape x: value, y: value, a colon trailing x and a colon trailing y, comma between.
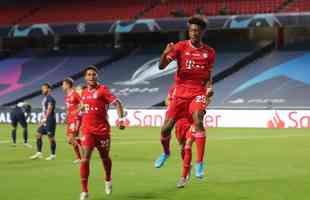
x: 205, y: 55
x: 187, y: 53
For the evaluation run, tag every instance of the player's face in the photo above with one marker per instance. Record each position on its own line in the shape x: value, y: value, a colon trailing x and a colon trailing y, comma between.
x: 91, y: 77
x: 44, y: 90
x: 195, y: 33
x: 65, y: 86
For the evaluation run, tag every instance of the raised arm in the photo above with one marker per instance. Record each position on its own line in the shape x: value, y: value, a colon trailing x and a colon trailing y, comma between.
x: 164, y: 58
x: 120, y: 112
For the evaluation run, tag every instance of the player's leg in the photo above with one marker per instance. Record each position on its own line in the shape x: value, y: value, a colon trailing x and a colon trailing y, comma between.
x: 187, y: 159
x: 53, y: 145
x: 88, y: 145
x: 72, y: 138
x: 172, y: 114
x: 14, y: 127
x: 103, y: 146
x: 197, y: 110
x: 24, y: 125
x: 181, y: 128
x: 51, y: 131
x: 75, y: 142
x: 165, y: 141
x: 200, y: 140
x: 39, y: 143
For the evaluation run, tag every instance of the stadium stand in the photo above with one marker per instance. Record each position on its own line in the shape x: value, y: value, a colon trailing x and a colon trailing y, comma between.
x: 281, y: 71
x: 298, y: 6
x: 23, y: 73
x: 141, y: 83
x: 96, y: 10
x: 86, y: 11
x: 181, y: 8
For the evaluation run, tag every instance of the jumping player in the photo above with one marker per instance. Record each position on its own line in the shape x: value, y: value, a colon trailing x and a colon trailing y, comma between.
x: 72, y: 100
x: 195, y: 62
x: 96, y: 99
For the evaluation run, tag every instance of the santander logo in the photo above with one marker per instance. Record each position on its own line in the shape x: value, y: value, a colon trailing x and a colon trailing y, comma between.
x: 290, y: 119
x: 276, y: 122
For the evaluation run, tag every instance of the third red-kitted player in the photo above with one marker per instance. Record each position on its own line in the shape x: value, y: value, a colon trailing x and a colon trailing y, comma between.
x: 72, y: 101
x: 96, y: 99
x: 195, y: 62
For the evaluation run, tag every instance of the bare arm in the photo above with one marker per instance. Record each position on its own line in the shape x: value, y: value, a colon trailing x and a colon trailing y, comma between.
x: 120, y: 112
x: 164, y: 61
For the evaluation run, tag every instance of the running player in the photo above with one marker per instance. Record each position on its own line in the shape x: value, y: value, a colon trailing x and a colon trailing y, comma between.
x: 19, y: 115
x: 72, y: 100
x: 195, y: 62
x: 96, y: 99
x: 47, y: 125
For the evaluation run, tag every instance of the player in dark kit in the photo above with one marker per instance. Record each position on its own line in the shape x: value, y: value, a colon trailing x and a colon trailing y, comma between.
x: 19, y: 115
x: 193, y: 86
x: 47, y: 125
x: 96, y: 129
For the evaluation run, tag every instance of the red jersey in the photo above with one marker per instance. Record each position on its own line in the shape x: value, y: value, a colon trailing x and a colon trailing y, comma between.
x: 96, y: 103
x: 194, y: 68
x: 72, y: 100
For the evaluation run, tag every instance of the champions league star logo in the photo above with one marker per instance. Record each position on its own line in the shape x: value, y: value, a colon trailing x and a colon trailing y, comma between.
x: 141, y: 24
x: 259, y: 20
x: 33, y: 30
x: 148, y: 72
x: 297, y: 69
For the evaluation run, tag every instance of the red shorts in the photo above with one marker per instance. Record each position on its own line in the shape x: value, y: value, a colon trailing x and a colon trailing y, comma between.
x: 183, y: 108
x: 101, y: 142
x: 73, y: 126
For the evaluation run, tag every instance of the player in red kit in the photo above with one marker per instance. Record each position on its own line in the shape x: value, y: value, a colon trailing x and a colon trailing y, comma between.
x: 72, y: 101
x: 195, y: 63
x: 96, y: 99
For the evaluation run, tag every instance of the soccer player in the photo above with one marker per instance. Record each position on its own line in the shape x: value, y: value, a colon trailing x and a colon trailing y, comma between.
x: 19, y: 115
x: 47, y: 125
x: 195, y: 62
x: 72, y: 100
x: 96, y: 99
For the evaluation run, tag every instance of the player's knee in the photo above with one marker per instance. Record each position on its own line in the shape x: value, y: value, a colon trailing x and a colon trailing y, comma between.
x: 51, y: 139
x: 167, y: 128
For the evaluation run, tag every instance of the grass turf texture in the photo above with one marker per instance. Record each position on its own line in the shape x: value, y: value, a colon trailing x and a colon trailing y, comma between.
x: 256, y: 164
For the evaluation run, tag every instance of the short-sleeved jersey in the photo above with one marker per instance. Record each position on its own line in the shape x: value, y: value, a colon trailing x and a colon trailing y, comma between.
x: 72, y: 100
x: 96, y: 103
x: 194, y: 67
x: 48, y: 100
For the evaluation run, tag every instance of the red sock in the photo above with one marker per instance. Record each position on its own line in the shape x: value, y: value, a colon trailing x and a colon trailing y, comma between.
x: 165, y: 142
x: 187, y: 160
x: 200, y: 140
x: 84, y: 173
x: 107, y: 164
x: 76, y: 149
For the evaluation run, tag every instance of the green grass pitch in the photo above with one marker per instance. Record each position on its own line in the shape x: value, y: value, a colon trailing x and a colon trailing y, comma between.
x: 243, y: 164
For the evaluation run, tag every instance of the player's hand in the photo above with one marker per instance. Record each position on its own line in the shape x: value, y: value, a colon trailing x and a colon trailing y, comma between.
x: 169, y: 48
x: 121, y: 124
